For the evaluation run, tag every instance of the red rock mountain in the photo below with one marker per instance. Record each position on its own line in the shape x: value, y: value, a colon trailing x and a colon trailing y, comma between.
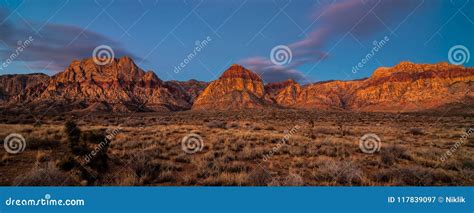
x: 404, y: 87
x: 237, y: 88
x: 117, y: 86
x: 122, y: 86
x: 18, y: 88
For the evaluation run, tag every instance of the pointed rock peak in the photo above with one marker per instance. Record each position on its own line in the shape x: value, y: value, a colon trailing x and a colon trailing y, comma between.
x: 150, y: 75
x: 126, y: 60
x: 290, y: 81
x: 238, y: 71
x: 405, y: 63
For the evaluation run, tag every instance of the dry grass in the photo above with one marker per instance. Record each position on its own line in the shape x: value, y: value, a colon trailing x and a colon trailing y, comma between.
x: 256, y: 148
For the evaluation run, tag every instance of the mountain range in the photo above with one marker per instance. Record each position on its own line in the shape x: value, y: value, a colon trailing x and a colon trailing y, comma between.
x: 122, y: 86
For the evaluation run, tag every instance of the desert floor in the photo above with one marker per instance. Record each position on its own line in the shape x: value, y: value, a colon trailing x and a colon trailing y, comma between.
x: 264, y: 148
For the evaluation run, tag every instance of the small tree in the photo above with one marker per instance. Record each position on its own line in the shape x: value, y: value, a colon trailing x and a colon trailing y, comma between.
x: 92, y: 169
x: 73, y: 134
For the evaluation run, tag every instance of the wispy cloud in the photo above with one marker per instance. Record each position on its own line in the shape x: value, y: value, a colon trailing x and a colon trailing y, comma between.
x: 55, y: 46
x: 362, y: 18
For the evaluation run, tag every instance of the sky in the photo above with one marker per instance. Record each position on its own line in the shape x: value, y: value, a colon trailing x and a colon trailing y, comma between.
x: 306, y: 40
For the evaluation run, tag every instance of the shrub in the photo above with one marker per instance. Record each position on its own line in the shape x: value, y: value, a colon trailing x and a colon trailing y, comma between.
x: 183, y: 159
x: 48, y: 175
x: 414, y: 175
x: 73, y: 132
x: 343, y: 173
x: 416, y: 131
x: 217, y: 124
x: 96, y: 165
x: 387, y: 158
x: 233, y: 125
x: 37, y: 143
x: 142, y: 166
x: 259, y: 177
x: 67, y: 164
x: 93, y: 136
x: 291, y: 180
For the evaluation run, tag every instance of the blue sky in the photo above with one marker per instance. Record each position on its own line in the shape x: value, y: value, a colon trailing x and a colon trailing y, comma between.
x: 326, y: 38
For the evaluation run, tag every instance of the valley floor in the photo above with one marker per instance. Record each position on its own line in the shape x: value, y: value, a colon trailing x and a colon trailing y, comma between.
x: 264, y: 148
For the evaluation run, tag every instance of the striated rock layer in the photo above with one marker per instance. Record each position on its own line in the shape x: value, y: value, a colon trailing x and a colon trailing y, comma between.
x: 237, y: 88
x: 122, y: 86
x: 117, y: 86
x: 404, y: 87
